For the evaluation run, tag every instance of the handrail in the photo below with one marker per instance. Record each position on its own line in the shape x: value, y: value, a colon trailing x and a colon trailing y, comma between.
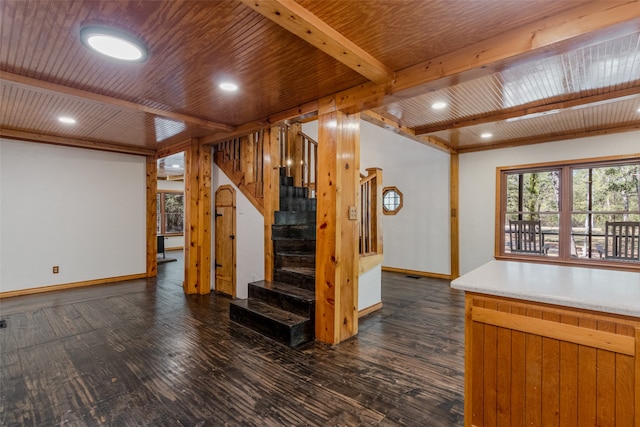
x: 242, y: 160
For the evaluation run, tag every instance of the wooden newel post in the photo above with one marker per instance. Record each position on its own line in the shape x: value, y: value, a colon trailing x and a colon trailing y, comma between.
x: 197, y: 227
x: 337, y: 226
x: 271, y: 165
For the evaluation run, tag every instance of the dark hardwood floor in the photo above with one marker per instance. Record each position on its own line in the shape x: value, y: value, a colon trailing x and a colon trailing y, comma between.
x: 141, y: 353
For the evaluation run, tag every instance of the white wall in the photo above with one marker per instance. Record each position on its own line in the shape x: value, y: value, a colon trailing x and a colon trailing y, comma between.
x: 82, y: 210
x: 249, y: 238
x: 369, y: 287
x: 163, y: 184
x: 417, y: 237
x: 478, y: 184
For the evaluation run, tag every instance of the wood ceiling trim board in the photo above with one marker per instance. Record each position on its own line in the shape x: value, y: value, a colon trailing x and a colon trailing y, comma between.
x: 395, y: 127
x: 299, y: 21
x: 548, y: 138
x: 306, y: 110
x: 90, y: 96
x: 168, y: 149
x: 71, y: 142
x: 522, y: 111
x: 573, y: 23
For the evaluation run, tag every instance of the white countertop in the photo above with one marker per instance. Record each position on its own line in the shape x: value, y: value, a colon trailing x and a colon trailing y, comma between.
x: 608, y: 291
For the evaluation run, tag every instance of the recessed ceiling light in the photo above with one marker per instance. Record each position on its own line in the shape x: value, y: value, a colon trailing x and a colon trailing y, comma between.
x: 228, y: 86
x: 439, y: 105
x: 486, y: 135
x: 67, y: 120
x: 175, y: 166
x: 113, y: 43
x: 638, y: 110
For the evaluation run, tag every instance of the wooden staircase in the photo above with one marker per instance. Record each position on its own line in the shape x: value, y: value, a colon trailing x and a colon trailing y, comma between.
x: 284, y: 309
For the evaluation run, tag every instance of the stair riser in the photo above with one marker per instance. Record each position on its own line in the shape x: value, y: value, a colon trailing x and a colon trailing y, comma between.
x: 295, y: 217
x: 297, y: 204
x: 296, y: 246
x: 290, y: 191
x: 286, y: 260
x: 285, y: 302
x: 301, y: 280
x: 301, y: 231
x: 292, y: 336
x: 286, y: 180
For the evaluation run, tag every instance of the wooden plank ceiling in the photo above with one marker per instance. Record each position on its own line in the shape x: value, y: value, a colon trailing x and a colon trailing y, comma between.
x: 525, y: 71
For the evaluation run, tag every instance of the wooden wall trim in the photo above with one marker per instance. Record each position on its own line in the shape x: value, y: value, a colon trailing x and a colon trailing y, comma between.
x: 369, y: 261
x: 78, y: 143
x: 369, y: 310
x: 42, y: 289
x: 416, y: 272
x: 578, y: 335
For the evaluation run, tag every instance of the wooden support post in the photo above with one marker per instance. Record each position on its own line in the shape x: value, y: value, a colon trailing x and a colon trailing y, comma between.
x: 454, y: 205
x: 152, y: 213
x: 197, y: 250
x: 337, y: 257
x: 271, y: 193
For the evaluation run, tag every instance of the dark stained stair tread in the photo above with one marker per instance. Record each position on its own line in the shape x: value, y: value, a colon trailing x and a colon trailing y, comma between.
x: 305, y: 271
x: 271, y: 312
x: 285, y: 288
x: 283, y: 326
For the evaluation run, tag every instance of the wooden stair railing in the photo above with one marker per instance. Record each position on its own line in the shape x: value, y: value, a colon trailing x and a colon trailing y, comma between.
x: 298, y: 154
x: 370, y: 219
x: 242, y: 160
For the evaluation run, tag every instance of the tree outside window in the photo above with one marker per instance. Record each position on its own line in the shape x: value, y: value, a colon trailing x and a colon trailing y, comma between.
x: 170, y: 213
x: 571, y: 203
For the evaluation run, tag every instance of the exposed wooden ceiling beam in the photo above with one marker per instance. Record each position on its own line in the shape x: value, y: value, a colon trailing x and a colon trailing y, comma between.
x: 483, y: 58
x: 395, y: 127
x: 107, y: 100
x: 299, y: 21
x: 524, y: 110
x: 80, y: 143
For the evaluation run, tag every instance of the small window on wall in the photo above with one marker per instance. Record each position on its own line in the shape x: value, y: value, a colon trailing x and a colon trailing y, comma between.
x: 391, y: 200
x: 170, y: 213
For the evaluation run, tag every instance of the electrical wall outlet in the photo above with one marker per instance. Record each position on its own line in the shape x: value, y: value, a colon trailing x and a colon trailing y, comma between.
x: 56, y: 269
x: 353, y: 213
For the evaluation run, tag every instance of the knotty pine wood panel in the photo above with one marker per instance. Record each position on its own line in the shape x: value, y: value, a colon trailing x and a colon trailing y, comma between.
x: 179, y: 360
x: 553, y: 382
x: 426, y: 29
x: 192, y: 46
